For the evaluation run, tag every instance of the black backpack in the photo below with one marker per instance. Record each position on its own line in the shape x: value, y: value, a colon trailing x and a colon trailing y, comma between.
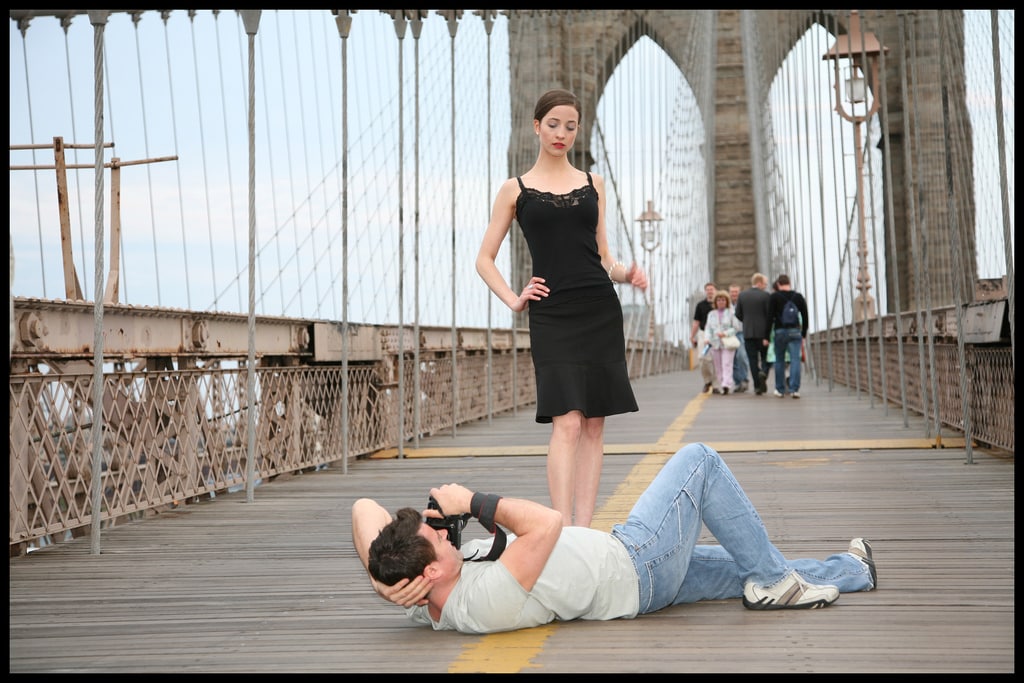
x: 790, y: 316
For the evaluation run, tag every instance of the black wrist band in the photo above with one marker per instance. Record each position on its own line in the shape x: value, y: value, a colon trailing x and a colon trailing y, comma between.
x: 483, y: 506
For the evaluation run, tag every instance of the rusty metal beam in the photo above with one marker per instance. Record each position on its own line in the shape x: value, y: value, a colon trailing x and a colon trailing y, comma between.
x: 53, y: 329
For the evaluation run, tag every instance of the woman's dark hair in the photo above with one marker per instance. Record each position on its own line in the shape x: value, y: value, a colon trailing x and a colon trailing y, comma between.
x: 556, y: 98
x: 399, y: 552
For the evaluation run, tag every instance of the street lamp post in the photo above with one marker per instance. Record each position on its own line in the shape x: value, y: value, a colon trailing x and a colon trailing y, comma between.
x: 862, y: 49
x: 650, y: 239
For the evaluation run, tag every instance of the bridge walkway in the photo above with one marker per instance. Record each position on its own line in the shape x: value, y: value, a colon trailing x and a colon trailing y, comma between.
x: 274, y: 586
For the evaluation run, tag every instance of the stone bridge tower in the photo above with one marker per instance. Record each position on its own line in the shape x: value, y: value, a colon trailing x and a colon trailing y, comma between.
x: 578, y: 49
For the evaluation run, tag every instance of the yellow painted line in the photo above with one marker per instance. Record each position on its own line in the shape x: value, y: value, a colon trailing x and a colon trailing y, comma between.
x: 503, y: 653
x: 672, y: 440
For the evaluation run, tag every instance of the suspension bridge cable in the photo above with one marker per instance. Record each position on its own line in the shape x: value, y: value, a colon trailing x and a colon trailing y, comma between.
x: 227, y: 158
x: 291, y: 179
x: 817, y: 87
x: 305, y: 165
x: 201, y: 128
x: 924, y: 259
x: 23, y: 26
x: 165, y: 15
x: 65, y: 23
x: 401, y: 24
x: 894, y: 260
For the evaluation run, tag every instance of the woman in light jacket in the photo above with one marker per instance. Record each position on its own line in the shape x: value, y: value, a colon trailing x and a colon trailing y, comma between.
x: 720, y: 325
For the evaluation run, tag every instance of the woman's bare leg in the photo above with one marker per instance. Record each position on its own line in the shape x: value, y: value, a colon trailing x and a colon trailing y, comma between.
x: 565, y: 440
x: 589, y: 458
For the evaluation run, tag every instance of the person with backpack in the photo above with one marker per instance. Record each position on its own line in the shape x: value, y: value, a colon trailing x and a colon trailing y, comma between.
x: 787, y: 309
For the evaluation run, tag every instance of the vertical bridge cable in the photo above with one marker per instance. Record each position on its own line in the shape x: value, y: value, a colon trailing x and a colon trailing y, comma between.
x: 291, y: 179
x: 202, y: 154
x: 488, y: 16
x: 923, y: 296
x: 328, y: 249
x: 893, y: 260
x: 136, y: 17
x: 453, y: 24
x: 65, y: 23
x: 1004, y: 200
x: 417, y: 29
x: 401, y: 24
x: 274, y: 231
x: 913, y: 258
x: 946, y: 25
x: 98, y: 18
x: 251, y: 22
x: 164, y: 15
x: 332, y: 234
x: 818, y: 86
x: 227, y: 158
x: 23, y: 27
x: 311, y: 272
x: 344, y: 22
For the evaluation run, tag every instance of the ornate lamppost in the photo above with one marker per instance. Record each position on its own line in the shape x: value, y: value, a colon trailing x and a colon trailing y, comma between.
x: 862, y: 50
x: 650, y: 239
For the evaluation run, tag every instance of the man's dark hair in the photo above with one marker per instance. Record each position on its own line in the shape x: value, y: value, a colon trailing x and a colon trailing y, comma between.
x: 783, y: 279
x: 399, y: 552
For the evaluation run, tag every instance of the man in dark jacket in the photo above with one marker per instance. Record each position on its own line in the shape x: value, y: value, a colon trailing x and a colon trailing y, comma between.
x: 752, y: 310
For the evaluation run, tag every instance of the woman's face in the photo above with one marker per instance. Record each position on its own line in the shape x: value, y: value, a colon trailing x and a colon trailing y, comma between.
x: 557, y: 130
x: 721, y: 303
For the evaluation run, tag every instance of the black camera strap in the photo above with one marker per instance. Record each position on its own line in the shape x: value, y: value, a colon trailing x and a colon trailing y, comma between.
x: 483, y: 506
x: 497, y: 547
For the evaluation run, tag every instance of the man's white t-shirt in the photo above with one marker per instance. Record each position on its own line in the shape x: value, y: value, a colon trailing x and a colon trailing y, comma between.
x: 588, y: 576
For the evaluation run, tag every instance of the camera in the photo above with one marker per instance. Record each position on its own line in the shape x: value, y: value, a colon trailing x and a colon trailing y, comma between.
x: 454, y: 524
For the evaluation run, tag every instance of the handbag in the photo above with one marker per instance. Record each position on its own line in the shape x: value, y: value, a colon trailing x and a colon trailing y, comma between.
x: 731, y: 342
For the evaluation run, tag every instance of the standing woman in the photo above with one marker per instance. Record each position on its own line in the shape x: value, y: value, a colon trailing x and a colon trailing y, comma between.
x: 576, y: 336
x: 722, y: 325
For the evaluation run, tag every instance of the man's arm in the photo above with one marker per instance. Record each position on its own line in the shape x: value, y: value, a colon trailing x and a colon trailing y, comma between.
x: 804, y: 316
x: 537, y: 528
x: 368, y: 518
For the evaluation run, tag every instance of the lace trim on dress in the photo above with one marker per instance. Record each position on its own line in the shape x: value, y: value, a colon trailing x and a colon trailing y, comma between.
x: 561, y: 201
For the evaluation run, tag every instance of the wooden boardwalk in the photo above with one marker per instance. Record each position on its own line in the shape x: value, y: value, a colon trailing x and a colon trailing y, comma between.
x: 274, y: 586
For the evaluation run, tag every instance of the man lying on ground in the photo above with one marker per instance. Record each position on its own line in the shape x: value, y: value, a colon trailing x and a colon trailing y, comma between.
x: 547, y: 572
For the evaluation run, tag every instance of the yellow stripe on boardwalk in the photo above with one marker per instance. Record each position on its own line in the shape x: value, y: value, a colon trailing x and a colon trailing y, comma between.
x: 503, y: 653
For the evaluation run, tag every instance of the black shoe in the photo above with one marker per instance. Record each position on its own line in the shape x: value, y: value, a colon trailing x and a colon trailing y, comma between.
x: 707, y: 386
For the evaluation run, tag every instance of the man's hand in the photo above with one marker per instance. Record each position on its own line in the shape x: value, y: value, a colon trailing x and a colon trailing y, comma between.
x: 453, y: 499
x: 405, y: 593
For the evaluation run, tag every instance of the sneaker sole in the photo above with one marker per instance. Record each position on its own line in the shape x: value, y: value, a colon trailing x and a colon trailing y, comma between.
x: 766, y: 604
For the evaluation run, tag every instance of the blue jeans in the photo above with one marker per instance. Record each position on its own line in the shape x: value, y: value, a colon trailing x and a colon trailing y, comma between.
x: 740, y: 364
x: 787, y: 339
x: 696, y: 487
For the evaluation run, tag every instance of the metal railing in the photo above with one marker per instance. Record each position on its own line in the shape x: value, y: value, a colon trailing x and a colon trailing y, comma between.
x: 175, y: 436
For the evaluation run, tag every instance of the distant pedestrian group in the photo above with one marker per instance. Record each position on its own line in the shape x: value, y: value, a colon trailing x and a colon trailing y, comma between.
x: 741, y: 336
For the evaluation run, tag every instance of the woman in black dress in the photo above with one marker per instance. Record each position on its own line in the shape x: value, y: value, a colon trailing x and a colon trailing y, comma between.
x: 576, y: 335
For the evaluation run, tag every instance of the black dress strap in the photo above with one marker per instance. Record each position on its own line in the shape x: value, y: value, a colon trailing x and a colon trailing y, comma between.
x: 590, y: 181
x: 520, y: 179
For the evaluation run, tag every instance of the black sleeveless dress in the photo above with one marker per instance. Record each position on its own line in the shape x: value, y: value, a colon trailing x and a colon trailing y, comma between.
x: 576, y: 336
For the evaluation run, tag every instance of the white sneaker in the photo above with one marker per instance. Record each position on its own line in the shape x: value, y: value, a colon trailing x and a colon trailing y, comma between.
x: 790, y: 593
x: 861, y: 549
x: 778, y: 394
